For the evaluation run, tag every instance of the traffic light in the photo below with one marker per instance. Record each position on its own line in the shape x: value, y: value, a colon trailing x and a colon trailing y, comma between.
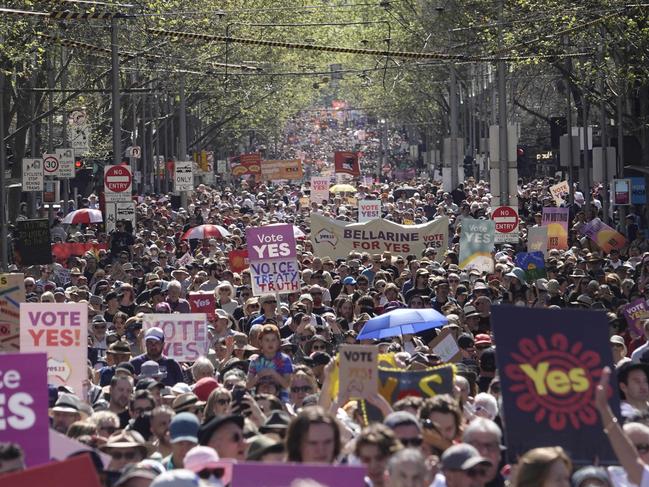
x: 79, y: 165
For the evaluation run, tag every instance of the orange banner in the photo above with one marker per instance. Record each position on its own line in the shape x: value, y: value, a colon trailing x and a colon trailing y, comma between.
x: 275, y: 170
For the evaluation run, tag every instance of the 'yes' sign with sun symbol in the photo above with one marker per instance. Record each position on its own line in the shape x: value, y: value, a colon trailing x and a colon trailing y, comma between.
x: 550, y: 362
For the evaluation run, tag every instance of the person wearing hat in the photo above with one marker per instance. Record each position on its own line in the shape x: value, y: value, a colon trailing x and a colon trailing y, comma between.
x: 125, y: 448
x: 618, y: 347
x: 633, y: 382
x: 117, y: 353
x: 268, y: 303
x: 263, y: 448
x: 463, y: 466
x: 66, y: 411
x: 97, y: 335
x: 154, y: 343
x: 205, y: 463
x: 471, y: 318
x: 225, y: 435
x: 137, y: 475
x: 183, y: 434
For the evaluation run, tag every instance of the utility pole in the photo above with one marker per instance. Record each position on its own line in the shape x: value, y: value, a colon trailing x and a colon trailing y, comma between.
x: 32, y: 142
x: 65, y: 183
x: 452, y: 99
x: 156, y: 116
x: 619, y: 108
x: 603, y: 129
x: 182, y: 138
x: 587, y: 177
x: 502, y: 118
x: 117, y: 127
x: 51, y: 65
x: 571, y: 176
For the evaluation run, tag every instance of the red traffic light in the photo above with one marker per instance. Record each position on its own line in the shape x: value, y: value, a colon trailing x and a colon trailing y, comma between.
x: 78, y: 164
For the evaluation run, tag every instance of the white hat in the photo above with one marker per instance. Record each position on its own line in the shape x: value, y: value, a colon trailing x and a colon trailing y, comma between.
x: 154, y: 333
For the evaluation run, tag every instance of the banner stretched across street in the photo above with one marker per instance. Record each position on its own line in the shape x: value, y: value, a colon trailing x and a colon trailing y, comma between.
x: 336, y: 239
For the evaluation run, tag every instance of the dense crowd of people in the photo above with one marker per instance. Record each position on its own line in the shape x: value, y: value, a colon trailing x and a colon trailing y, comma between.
x: 261, y: 393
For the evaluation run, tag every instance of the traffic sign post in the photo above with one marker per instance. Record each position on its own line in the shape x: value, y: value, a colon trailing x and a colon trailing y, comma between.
x: 506, y: 220
x: 66, y: 163
x: 118, y: 184
x: 184, y: 176
x: 33, y: 175
x: 50, y: 165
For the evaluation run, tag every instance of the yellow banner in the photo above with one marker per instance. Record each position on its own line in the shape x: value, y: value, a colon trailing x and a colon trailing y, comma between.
x: 276, y: 170
x: 336, y: 239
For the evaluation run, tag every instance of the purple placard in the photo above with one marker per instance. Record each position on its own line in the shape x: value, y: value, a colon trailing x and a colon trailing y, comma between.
x: 634, y: 313
x: 282, y: 475
x: 274, y: 242
x: 24, y: 400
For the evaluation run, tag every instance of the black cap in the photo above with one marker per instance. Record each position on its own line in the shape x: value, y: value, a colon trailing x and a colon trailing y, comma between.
x: 465, y: 340
x: 208, y: 429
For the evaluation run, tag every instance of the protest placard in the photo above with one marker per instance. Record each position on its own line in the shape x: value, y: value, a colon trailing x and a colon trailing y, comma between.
x: 285, y: 474
x: 238, y: 260
x: 532, y: 263
x: 320, y: 189
x: 202, y: 302
x: 12, y: 293
x: 537, y: 240
x: 634, y: 313
x: 346, y: 162
x: 606, y: 237
x: 558, y: 191
x: 185, y: 334
x: 64, y: 250
x: 549, y: 370
x: 23, y: 401
x: 61, y: 447
x: 61, y: 330
x: 476, y: 245
x: 281, y: 170
x: 358, y: 371
x: 556, y: 221
x: 273, y: 261
x: 337, y: 239
x: 445, y: 346
x: 78, y: 470
x: 395, y: 384
x: 369, y: 210
x: 32, y: 242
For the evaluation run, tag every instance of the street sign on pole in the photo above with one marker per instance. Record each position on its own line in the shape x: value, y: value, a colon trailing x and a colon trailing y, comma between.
x: 66, y: 163
x: 124, y: 211
x: 184, y: 176
x: 118, y: 183
x: 506, y: 220
x: 50, y: 165
x: 33, y: 175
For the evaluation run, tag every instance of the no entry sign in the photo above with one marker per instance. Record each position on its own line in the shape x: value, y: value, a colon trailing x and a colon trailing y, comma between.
x: 118, y: 183
x: 506, y: 220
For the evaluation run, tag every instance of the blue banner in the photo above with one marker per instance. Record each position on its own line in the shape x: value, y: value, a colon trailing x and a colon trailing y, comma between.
x: 638, y: 191
x: 549, y: 364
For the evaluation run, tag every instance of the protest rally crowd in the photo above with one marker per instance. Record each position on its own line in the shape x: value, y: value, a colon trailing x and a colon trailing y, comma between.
x: 266, y: 380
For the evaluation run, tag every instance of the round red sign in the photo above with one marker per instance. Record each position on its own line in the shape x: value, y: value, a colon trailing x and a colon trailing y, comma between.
x: 506, y: 219
x: 117, y: 179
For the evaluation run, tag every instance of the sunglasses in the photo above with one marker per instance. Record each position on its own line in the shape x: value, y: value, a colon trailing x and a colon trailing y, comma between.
x: 642, y: 448
x: 223, y: 402
x: 476, y: 472
x: 206, y: 473
x: 304, y: 338
x: 127, y: 455
x: 318, y: 348
x: 270, y: 302
x: 299, y: 389
x: 415, y: 442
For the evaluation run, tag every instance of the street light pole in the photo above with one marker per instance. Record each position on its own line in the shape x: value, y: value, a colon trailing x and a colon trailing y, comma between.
x: 502, y: 119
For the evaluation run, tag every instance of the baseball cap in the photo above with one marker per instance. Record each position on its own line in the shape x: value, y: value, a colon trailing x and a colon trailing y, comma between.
x: 462, y: 457
x: 204, y: 386
x: 184, y: 427
x: 465, y: 340
x: 201, y: 457
x: 154, y: 333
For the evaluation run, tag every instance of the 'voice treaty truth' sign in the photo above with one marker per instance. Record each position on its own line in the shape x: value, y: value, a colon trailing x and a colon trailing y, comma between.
x: 273, y: 262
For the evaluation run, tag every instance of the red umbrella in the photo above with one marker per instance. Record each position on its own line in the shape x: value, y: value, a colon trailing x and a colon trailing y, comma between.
x: 85, y: 215
x: 205, y: 231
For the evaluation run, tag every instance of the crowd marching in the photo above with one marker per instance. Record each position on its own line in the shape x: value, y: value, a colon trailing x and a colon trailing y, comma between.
x: 267, y: 388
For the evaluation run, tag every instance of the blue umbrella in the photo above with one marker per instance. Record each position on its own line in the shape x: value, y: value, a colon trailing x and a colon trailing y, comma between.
x: 404, y: 321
